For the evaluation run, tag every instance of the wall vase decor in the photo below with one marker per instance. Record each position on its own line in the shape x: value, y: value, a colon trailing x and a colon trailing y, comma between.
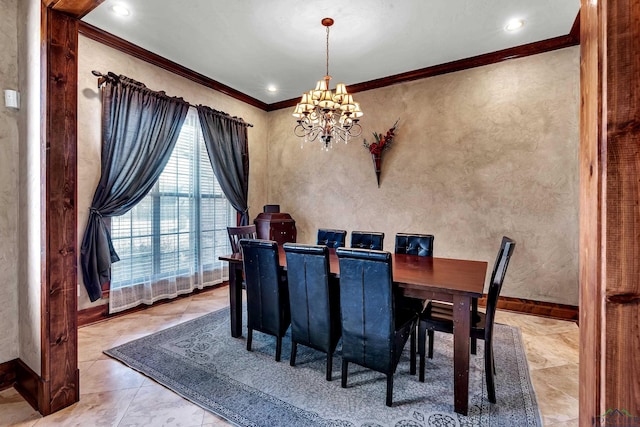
x: 377, y: 161
x: 382, y: 143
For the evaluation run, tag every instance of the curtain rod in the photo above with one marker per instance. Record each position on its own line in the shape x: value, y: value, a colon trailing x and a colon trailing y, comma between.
x: 102, y: 78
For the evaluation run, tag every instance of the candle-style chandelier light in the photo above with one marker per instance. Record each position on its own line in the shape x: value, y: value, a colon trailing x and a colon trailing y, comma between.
x: 327, y: 115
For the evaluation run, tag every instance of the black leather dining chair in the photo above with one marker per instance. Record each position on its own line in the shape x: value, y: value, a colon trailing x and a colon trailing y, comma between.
x: 419, y: 245
x: 374, y: 328
x: 367, y: 240
x: 240, y: 232
x: 331, y: 238
x: 414, y: 244
x: 438, y: 316
x: 267, y: 291
x: 314, y: 298
x: 237, y: 233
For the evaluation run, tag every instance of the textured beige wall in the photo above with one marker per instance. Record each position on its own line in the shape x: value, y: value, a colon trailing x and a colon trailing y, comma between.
x: 95, y: 56
x: 30, y: 227
x: 479, y: 154
x: 8, y: 184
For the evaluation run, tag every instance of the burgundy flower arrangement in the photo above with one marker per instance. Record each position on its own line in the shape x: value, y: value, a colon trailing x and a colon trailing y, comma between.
x: 382, y: 143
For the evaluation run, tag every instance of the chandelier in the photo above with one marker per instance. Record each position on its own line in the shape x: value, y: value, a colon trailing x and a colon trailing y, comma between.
x: 327, y: 115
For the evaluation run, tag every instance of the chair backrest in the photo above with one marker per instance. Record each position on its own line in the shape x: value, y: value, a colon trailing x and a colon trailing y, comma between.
x: 313, y: 298
x: 414, y: 244
x: 267, y: 299
x: 367, y: 240
x: 367, y: 307
x: 331, y: 238
x: 497, y: 278
x: 237, y: 233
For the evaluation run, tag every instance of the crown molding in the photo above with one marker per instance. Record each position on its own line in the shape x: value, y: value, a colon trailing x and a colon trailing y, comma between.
x: 560, y: 42
x: 459, y: 65
x: 124, y: 46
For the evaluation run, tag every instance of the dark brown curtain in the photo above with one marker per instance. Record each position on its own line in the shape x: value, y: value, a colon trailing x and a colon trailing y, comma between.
x: 139, y: 130
x: 226, y: 140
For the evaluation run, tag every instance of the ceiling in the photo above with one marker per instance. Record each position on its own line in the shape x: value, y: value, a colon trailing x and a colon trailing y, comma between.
x: 249, y: 45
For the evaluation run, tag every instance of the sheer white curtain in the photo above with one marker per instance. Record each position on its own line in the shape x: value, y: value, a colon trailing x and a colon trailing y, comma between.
x: 169, y: 243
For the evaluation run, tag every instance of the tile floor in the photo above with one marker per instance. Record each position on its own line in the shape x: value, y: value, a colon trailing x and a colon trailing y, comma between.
x: 114, y: 395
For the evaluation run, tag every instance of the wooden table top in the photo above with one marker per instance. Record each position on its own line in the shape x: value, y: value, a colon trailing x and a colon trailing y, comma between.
x: 413, y: 272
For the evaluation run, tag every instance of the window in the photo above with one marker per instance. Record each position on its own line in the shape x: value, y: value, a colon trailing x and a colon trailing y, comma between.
x: 172, y: 239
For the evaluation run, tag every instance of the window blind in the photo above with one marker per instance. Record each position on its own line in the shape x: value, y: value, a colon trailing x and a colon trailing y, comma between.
x: 169, y: 243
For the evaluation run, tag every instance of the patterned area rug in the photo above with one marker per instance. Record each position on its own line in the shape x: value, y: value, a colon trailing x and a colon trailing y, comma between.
x: 200, y: 361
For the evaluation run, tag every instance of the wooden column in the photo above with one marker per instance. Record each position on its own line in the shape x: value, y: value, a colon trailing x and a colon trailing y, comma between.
x: 609, y: 209
x: 59, y: 367
x: 59, y: 379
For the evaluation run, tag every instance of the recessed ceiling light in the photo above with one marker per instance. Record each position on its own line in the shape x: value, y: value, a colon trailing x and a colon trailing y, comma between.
x: 514, y: 25
x: 119, y: 9
x: 272, y: 88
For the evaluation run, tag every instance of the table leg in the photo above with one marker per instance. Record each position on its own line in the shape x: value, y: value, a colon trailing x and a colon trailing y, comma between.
x: 461, y: 332
x: 235, y: 299
x: 474, y: 315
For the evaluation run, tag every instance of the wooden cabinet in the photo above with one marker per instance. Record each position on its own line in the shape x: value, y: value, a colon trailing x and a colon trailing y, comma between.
x: 278, y: 226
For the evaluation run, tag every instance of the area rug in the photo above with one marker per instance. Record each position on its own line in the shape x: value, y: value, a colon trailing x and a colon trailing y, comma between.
x: 200, y: 361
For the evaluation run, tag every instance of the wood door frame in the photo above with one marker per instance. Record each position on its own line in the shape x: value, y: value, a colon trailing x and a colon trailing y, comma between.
x: 609, y: 217
x: 58, y: 384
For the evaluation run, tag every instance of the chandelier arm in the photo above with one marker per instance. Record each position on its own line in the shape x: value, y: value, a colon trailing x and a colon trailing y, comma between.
x: 299, y: 130
x: 355, y: 130
x: 313, y: 135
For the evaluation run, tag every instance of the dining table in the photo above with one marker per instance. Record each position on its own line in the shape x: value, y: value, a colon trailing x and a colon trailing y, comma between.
x: 458, y: 281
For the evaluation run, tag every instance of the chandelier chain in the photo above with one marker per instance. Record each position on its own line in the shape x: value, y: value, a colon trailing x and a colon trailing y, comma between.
x: 327, y: 51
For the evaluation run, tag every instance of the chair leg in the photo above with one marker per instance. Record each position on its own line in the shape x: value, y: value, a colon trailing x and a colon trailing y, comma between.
x: 249, y: 338
x: 345, y: 370
x: 474, y: 345
x: 278, y: 348
x: 430, y: 344
x: 422, y: 336
x: 389, y: 389
x: 494, y: 362
x: 294, y: 350
x: 489, y: 371
x: 329, y: 366
x: 412, y: 356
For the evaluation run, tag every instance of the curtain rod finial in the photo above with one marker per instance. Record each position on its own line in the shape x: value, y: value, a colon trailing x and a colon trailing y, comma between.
x: 101, y: 77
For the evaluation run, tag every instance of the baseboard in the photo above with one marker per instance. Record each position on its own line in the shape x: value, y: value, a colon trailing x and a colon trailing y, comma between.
x: 92, y: 315
x: 536, y: 308
x: 8, y: 374
x: 15, y: 373
x: 100, y: 313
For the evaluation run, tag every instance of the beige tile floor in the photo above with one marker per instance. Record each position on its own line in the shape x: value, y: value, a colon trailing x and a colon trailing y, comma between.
x: 114, y: 395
